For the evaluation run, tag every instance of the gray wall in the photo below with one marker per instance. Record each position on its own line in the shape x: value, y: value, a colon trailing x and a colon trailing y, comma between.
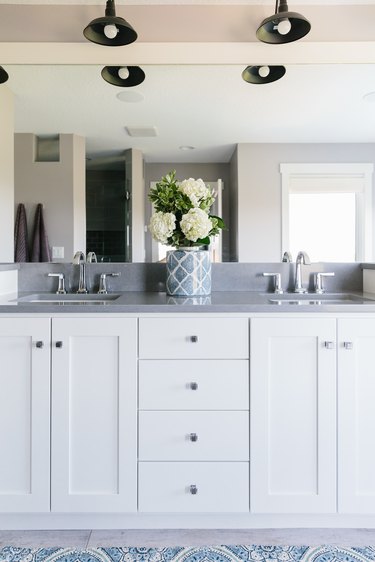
x: 209, y: 173
x: 6, y: 175
x: 59, y: 186
x: 259, y: 189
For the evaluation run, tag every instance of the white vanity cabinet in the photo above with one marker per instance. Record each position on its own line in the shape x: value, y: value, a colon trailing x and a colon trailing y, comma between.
x: 94, y: 415
x: 129, y: 418
x: 24, y: 414
x: 356, y: 415
x: 293, y: 415
x: 193, y: 415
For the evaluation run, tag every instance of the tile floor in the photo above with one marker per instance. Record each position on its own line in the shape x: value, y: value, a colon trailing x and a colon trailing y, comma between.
x: 160, y: 538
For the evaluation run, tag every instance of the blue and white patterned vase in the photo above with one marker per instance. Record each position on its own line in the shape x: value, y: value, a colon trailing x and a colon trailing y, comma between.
x: 188, y: 272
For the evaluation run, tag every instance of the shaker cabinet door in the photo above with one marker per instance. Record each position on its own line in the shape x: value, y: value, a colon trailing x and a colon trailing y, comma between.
x: 293, y: 415
x: 24, y: 414
x: 356, y: 415
x: 94, y: 415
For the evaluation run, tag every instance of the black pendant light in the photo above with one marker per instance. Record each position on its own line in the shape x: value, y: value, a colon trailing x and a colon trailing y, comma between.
x: 263, y: 74
x: 3, y: 75
x: 123, y: 76
x: 283, y: 26
x: 111, y: 30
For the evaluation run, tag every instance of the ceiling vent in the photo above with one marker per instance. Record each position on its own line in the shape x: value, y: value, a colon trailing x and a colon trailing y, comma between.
x: 141, y: 131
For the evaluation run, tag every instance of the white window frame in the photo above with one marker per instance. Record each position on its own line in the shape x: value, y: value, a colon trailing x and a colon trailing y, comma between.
x: 340, y: 178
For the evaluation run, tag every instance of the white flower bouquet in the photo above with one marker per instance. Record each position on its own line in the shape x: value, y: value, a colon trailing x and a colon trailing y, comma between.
x: 182, y: 217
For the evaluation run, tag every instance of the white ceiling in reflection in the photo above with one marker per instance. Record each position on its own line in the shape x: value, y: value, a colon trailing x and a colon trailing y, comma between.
x: 208, y: 107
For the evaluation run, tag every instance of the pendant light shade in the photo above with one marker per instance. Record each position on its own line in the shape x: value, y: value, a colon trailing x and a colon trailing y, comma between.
x: 123, y: 76
x: 3, y: 75
x: 111, y: 30
x: 283, y: 26
x: 263, y: 74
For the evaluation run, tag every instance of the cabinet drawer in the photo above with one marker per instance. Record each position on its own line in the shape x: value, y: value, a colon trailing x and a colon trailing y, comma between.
x: 194, y: 436
x: 193, y: 338
x: 220, y: 487
x: 194, y: 385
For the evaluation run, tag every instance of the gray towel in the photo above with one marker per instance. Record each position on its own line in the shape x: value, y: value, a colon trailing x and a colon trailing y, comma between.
x: 21, y: 249
x: 40, y: 250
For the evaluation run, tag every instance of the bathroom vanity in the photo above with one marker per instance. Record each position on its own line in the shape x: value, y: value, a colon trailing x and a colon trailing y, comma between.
x: 147, y: 414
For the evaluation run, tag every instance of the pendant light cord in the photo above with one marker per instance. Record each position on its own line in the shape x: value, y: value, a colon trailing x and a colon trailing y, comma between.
x: 110, y: 10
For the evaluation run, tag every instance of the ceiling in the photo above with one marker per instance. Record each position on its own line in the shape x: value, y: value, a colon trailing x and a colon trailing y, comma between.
x: 208, y: 107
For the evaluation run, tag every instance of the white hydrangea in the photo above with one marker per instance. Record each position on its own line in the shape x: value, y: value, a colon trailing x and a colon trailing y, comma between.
x: 196, y: 224
x: 196, y: 190
x: 162, y: 226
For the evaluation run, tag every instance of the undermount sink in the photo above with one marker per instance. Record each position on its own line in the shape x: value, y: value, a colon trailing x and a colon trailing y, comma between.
x: 315, y: 299
x: 68, y: 299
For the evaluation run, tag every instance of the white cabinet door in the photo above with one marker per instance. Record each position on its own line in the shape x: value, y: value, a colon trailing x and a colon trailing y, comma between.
x: 356, y: 415
x: 293, y: 415
x: 94, y: 415
x: 24, y: 414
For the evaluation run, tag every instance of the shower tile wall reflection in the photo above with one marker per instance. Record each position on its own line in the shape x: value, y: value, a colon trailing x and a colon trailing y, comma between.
x: 107, y: 215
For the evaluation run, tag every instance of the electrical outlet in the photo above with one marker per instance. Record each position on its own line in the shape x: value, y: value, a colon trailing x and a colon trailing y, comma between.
x: 57, y: 252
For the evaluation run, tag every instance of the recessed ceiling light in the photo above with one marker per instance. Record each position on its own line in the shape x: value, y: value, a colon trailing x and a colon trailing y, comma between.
x: 370, y: 97
x: 130, y: 97
x: 186, y: 147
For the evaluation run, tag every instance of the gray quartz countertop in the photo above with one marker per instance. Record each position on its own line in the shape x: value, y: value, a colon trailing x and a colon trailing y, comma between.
x: 154, y: 302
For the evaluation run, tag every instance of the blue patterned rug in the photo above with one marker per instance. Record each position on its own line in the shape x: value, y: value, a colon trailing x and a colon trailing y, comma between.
x: 227, y: 553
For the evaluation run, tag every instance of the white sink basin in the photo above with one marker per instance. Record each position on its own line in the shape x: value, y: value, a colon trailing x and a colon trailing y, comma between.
x: 69, y: 299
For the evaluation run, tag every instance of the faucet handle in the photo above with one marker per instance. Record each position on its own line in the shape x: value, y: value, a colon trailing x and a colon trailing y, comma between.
x: 61, y: 287
x: 318, y: 283
x: 277, y: 281
x: 91, y: 258
x: 103, y: 290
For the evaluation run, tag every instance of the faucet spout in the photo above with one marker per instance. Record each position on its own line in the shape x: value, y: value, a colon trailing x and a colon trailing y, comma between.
x: 302, y: 258
x: 79, y: 259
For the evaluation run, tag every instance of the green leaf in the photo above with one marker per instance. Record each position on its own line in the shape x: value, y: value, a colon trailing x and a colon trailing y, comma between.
x: 203, y: 241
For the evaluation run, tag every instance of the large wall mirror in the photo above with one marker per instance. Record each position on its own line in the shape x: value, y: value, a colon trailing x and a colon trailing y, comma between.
x: 204, y: 121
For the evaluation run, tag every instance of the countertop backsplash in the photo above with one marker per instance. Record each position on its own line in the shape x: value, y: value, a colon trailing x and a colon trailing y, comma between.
x: 150, y: 277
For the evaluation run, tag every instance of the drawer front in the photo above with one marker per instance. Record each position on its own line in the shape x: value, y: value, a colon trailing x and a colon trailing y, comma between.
x: 193, y: 338
x: 194, y: 385
x: 193, y: 436
x: 219, y: 487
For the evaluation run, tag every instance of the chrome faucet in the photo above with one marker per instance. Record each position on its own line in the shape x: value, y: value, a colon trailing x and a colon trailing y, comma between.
x: 79, y: 259
x: 91, y: 258
x: 287, y: 257
x: 302, y: 258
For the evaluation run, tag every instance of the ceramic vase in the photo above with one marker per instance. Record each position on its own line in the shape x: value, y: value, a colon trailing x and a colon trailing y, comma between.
x: 188, y: 272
